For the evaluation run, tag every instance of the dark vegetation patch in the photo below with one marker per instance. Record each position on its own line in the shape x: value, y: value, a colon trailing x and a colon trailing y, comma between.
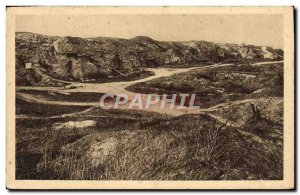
x: 67, y: 97
x: 217, y: 85
x: 44, y: 110
x: 112, y: 78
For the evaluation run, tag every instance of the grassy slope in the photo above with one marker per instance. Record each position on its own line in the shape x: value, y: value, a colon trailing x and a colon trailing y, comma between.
x: 220, y: 84
x: 188, y: 147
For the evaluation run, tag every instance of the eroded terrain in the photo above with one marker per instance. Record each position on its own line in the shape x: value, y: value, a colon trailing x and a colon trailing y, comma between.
x: 236, y: 134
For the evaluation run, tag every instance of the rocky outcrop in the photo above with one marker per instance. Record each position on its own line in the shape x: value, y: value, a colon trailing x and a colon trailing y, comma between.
x: 73, y: 58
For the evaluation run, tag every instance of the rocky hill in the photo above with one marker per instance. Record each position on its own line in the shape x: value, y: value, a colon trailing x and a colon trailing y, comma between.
x: 95, y: 59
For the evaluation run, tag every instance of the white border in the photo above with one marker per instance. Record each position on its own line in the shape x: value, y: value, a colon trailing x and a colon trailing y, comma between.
x: 4, y: 3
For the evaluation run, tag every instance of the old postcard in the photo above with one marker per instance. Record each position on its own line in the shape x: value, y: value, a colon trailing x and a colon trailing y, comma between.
x: 150, y: 98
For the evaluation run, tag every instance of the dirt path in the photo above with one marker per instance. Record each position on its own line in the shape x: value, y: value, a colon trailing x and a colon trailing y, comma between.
x: 267, y: 63
x: 226, y: 105
x: 236, y: 127
x: 116, y: 88
x: 120, y: 88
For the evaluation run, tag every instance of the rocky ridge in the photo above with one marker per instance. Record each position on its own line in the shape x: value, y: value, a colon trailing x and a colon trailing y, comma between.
x: 93, y: 59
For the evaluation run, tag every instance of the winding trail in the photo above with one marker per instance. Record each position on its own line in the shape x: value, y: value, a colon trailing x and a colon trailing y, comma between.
x: 120, y: 88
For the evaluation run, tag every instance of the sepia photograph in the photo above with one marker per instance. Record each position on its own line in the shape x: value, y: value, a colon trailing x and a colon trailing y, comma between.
x: 150, y: 98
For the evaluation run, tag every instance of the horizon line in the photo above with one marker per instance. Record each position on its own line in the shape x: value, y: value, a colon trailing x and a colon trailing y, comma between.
x: 274, y: 47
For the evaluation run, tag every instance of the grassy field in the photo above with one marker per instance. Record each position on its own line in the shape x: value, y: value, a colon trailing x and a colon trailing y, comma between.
x: 235, y: 142
x: 44, y: 110
x: 221, y: 84
x: 68, y: 97
x: 190, y: 147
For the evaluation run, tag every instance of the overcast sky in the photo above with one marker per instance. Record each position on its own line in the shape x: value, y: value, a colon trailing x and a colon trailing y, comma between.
x: 256, y: 29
